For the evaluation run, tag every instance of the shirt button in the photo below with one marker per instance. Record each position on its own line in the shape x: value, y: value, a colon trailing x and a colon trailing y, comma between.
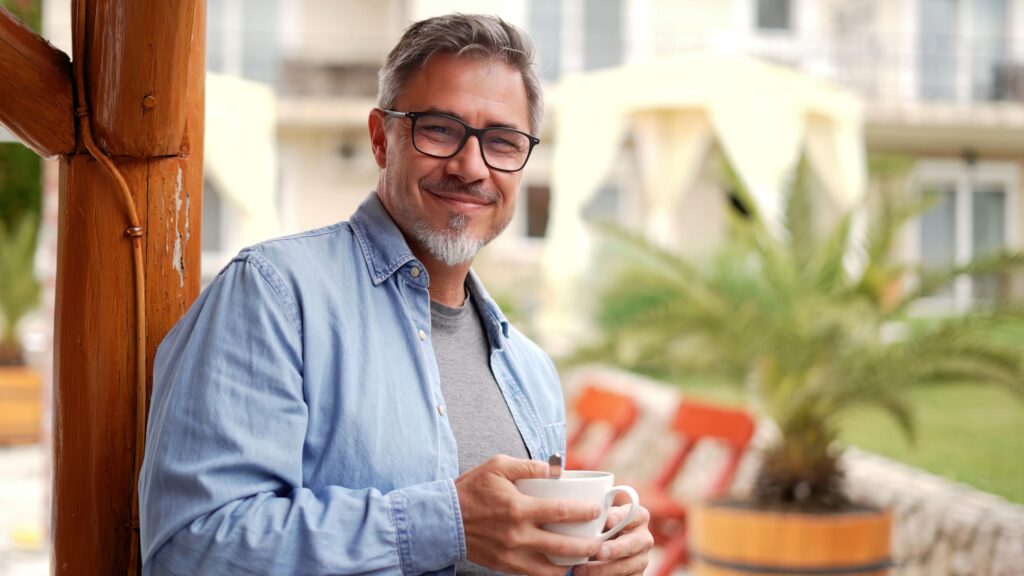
x: 423, y: 335
x: 441, y: 410
x: 415, y: 271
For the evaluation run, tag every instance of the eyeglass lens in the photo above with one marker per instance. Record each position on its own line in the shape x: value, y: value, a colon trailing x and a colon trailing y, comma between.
x: 502, y: 148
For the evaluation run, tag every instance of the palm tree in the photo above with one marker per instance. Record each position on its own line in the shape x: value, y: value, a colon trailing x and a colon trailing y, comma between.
x: 798, y: 315
x: 19, y: 287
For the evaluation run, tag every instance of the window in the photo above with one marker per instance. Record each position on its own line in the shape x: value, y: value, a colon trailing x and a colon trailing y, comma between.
x: 971, y: 217
x: 213, y: 212
x: 602, y: 33
x: 963, y: 49
x: 546, y: 30
x: 219, y: 232
x: 937, y: 48
x: 538, y: 209
x: 774, y: 15
x: 242, y: 38
x: 938, y: 229
x: 988, y: 47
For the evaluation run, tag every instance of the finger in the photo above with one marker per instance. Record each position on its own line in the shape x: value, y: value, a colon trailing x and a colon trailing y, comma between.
x: 627, y: 566
x: 538, y: 564
x: 617, y: 513
x: 554, y: 544
x: 516, y: 468
x: 628, y: 544
x: 547, y: 511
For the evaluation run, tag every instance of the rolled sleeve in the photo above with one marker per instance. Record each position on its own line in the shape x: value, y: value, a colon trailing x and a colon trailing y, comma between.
x: 428, y: 523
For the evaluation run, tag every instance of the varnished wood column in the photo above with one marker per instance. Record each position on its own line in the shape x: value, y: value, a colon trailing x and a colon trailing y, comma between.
x: 145, y: 71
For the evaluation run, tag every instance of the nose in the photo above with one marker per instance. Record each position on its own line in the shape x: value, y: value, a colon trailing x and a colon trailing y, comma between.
x: 468, y: 165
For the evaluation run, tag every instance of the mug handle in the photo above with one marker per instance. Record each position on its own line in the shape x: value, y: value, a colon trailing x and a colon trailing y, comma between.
x: 609, y: 499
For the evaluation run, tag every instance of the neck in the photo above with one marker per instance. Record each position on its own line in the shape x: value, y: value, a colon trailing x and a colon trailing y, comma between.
x: 447, y: 283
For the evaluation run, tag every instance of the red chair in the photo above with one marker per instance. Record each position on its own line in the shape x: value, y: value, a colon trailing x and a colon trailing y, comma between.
x: 694, y: 422
x: 598, y: 405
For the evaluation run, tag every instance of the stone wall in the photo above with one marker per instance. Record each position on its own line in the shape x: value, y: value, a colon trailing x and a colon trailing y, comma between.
x: 940, y: 528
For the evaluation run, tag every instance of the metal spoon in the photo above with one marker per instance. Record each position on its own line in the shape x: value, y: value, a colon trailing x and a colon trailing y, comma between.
x: 555, y: 465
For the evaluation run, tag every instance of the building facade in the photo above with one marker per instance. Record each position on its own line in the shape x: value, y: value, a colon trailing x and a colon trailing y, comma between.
x: 942, y: 83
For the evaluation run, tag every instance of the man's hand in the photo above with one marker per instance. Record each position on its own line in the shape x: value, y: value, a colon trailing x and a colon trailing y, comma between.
x: 627, y: 553
x: 502, y: 525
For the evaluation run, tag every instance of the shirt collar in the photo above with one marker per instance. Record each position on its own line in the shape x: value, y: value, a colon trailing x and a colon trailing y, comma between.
x: 386, y: 251
x: 381, y: 241
x: 488, y: 307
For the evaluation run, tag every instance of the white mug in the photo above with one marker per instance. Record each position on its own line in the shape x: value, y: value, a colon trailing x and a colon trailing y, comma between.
x: 584, y: 486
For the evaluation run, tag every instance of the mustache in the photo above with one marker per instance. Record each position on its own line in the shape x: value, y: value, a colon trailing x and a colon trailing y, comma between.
x: 450, y: 185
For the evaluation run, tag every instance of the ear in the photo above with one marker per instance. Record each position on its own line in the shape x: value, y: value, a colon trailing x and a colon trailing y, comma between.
x: 378, y: 137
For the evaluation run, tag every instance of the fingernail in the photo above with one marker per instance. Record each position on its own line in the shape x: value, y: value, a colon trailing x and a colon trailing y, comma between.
x: 605, y: 552
x: 595, y: 511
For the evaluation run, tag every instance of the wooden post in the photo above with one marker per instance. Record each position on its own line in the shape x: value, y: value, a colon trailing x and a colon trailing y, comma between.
x: 144, y: 74
x: 144, y: 79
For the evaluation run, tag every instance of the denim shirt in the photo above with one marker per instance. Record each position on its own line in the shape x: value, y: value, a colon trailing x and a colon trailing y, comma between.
x: 297, y: 424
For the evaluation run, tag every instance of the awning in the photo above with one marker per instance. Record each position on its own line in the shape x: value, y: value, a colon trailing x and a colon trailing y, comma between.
x: 762, y: 115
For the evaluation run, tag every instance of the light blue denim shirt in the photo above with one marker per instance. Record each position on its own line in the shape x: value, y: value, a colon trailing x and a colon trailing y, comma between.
x: 297, y: 424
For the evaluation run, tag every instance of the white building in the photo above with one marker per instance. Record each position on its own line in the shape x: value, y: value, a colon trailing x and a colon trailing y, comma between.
x: 942, y: 82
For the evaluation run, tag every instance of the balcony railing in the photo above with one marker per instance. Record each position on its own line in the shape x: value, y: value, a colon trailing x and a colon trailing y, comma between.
x: 935, y: 68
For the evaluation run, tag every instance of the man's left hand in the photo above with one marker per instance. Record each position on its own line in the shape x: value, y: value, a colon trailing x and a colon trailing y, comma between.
x: 627, y: 553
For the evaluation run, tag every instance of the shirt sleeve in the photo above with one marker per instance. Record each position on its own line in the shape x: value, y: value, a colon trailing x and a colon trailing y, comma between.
x: 221, y: 490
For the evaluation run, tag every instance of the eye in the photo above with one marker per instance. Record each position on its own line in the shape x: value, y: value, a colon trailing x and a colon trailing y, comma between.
x: 505, y: 142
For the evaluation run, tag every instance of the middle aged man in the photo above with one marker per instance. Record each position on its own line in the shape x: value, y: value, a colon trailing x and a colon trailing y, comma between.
x: 334, y: 401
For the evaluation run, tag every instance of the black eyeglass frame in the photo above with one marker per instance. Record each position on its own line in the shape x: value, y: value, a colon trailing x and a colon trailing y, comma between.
x: 470, y: 131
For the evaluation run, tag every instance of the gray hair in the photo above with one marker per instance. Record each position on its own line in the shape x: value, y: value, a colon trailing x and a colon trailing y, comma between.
x: 461, y: 34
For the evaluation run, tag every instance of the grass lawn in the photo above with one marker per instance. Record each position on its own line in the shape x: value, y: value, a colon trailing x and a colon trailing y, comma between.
x: 970, y: 434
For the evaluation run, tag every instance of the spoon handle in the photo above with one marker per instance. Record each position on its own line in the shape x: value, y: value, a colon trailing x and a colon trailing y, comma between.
x: 555, y: 465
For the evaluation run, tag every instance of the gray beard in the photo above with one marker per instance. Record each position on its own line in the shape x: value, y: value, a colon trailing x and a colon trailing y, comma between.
x: 453, y: 246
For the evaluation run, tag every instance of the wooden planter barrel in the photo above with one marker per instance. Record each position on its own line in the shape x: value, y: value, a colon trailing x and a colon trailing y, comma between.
x: 736, y: 540
x: 20, y: 405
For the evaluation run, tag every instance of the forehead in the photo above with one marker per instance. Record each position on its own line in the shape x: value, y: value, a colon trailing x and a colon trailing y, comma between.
x: 481, y: 90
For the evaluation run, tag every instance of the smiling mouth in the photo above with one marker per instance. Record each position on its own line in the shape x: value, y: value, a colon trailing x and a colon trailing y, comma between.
x: 461, y: 202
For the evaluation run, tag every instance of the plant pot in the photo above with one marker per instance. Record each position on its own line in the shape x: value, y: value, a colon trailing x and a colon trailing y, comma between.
x: 20, y: 405
x: 731, y: 539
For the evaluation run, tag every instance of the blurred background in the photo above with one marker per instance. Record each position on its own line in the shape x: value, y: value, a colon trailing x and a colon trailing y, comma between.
x: 649, y: 103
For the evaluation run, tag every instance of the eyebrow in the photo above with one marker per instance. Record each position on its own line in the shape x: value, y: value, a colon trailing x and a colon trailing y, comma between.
x: 459, y: 117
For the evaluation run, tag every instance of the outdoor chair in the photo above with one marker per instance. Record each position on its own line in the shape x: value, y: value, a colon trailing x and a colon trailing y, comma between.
x: 604, y: 408
x: 694, y: 422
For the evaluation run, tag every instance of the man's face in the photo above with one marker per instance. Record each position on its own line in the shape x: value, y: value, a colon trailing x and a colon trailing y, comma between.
x: 451, y: 207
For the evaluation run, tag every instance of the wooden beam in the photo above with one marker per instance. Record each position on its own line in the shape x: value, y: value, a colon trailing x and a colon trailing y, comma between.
x: 138, y: 74
x: 36, y: 102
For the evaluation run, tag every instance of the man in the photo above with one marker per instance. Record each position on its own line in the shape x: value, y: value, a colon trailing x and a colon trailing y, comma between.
x: 334, y: 401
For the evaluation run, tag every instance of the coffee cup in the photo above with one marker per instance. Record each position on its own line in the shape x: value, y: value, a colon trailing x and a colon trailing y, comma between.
x: 583, y: 486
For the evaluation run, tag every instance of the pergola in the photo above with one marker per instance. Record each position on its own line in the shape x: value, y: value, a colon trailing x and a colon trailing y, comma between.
x: 125, y: 119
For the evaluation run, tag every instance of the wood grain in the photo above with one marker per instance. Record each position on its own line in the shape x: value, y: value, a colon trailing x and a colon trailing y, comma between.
x: 138, y: 71
x: 94, y: 399
x: 36, y: 101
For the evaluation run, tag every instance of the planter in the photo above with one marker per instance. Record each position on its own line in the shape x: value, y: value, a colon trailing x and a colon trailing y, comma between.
x: 739, y: 540
x: 20, y: 405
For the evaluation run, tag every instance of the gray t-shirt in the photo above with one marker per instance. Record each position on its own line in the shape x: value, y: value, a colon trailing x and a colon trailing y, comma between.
x: 476, y: 409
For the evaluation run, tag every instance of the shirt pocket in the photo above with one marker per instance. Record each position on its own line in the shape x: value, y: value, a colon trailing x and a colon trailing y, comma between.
x: 554, y: 439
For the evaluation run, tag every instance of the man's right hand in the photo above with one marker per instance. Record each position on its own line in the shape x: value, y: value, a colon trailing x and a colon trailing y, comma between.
x: 502, y: 525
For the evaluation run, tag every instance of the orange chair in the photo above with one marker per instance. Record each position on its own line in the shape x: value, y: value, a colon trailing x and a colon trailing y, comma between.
x: 694, y: 422
x: 598, y: 405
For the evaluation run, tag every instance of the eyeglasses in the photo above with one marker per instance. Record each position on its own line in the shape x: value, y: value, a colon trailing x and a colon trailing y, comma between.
x: 442, y: 136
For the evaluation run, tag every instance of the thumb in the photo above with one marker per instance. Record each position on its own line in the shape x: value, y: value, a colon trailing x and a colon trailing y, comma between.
x: 516, y: 468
